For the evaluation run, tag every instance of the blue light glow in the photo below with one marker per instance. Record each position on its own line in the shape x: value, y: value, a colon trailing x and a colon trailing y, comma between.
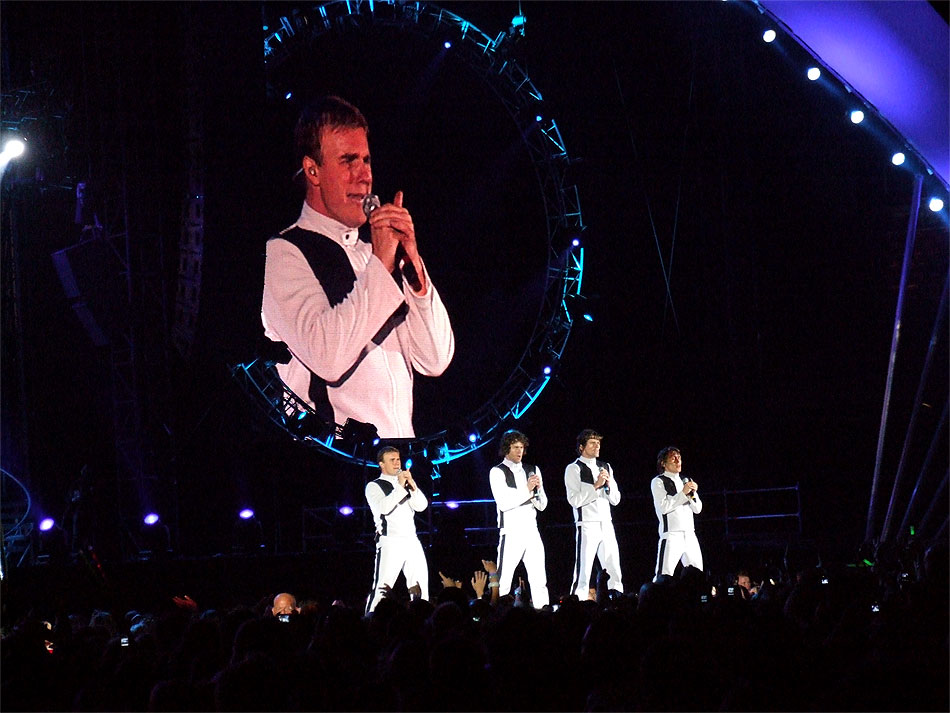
x: 935, y: 204
x: 538, y: 118
x: 151, y: 518
x: 46, y: 524
x: 857, y: 116
x: 452, y: 505
x: 898, y: 159
x: 447, y: 45
x: 546, y: 370
x: 575, y: 242
x: 589, y: 318
x: 769, y: 35
x: 813, y: 73
x: 288, y: 95
x: 246, y: 514
x: 472, y: 437
x: 346, y: 511
x: 408, y: 463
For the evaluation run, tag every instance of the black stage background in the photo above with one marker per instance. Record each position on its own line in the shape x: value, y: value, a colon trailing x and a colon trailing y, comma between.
x: 768, y: 369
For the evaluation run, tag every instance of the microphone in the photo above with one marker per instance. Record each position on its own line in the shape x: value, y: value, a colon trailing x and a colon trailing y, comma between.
x: 692, y: 495
x: 370, y: 203
x: 606, y: 485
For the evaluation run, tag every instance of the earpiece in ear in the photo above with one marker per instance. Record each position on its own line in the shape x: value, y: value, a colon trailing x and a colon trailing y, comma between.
x: 312, y: 172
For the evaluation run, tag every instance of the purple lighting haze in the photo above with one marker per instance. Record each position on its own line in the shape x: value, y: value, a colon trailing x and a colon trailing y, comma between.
x: 150, y: 519
x: 46, y: 524
x: 346, y: 511
x: 452, y: 505
x: 246, y: 514
x: 893, y: 53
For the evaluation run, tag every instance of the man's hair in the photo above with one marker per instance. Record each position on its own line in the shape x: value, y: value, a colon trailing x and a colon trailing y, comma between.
x: 585, y: 436
x: 327, y: 112
x: 384, y: 450
x: 509, y: 439
x: 663, y: 455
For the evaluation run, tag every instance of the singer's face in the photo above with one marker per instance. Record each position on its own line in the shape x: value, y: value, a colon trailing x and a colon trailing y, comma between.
x: 591, y: 448
x: 390, y: 464
x: 343, y: 177
x: 674, y: 462
x: 516, y: 452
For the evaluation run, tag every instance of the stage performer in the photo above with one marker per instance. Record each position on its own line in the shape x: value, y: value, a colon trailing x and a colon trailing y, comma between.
x: 591, y: 491
x: 519, y: 495
x: 675, y: 500
x: 394, y: 499
x: 358, y: 315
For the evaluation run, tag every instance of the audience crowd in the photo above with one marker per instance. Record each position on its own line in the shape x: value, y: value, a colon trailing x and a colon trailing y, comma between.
x: 852, y: 639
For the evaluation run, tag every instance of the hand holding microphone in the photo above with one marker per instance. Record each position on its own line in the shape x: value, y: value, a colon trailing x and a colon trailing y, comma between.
x: 689, y: 488
x: 534, y: 484
x: 405, y: 480
x: 394, y: 237
x: 603, y: 480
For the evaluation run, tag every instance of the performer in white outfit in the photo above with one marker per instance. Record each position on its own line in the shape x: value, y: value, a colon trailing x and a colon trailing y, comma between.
x: 675, y: 500
x: 592, y: 490
x: 359, y: 317
x: 519, y: 495
x: 394, y: 499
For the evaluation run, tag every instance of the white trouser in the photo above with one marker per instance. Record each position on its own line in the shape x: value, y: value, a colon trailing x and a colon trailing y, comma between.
x: 676, y: 546
x: 517, y: 544
x: 595, y: 539
x: 395, y: 554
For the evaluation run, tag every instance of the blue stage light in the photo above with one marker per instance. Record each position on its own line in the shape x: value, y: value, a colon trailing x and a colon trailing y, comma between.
x: 769, y: 35
x: 935, y: 204
x: 813, y: 73
x: 575, y: 242
x: 346, y: 511
x: 46, y: 524
x: 452, y: 505
x: 898, y: 159
x: 246, y: 514
x: 546, y: 370
x: 472, y: 437
x: 857, y: 116
x: 288, y: 95
x: 408, y: 463
x: 589, y: 317
x: 447, y: 45
x: 151, y: 518
x: 538, y: 118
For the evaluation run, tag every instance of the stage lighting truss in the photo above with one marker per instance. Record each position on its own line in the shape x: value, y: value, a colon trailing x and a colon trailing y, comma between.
x: 491, y: 60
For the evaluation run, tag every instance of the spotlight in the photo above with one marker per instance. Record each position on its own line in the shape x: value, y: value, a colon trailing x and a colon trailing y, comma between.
x: 857, y: 116
x: 452, y: 505
x: 538, y: 118
x: 898, y: 159
x: 546, y: 370
x: 589, y: 317
x: 935, y: 204
x: 575, y: 242
x: 346, y: 511
x: 46, y: 524
x: 13, y: 148
x: 408, y: 463
x: 447, y: 45
x: 472, y: 437
x: 769, y: 35
x: 247, y: 537
x: 151, y: 518
x: 813, y: 73
x: 288, y: 95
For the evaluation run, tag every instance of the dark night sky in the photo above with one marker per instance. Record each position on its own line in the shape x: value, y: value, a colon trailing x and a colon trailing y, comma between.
x: 789, y: 231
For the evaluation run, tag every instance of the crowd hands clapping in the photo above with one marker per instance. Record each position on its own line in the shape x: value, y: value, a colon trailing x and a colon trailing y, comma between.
x: 760, y: 640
